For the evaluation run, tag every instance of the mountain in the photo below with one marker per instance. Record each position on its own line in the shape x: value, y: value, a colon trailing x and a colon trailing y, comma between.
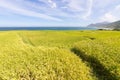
x: 114, y: 25
x: 106, y: 25
x: 98, y: 24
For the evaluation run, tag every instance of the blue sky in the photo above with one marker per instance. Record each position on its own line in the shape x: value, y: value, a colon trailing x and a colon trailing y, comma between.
x: 57, y: 12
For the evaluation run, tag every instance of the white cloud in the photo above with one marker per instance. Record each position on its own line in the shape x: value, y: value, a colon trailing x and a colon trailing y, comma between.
x: 108, y: 17
x: 112, y: 15
x: 53, y: 4
x: 17, y: 9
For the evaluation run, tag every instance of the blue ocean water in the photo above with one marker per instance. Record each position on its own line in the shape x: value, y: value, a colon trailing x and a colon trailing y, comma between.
x: 46, y: 28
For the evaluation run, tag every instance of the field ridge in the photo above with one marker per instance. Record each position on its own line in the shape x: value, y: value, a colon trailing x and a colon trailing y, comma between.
x: 25, y: 39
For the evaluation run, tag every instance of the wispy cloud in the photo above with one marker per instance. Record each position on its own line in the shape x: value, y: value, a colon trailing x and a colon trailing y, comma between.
x: 81, y: 8
x: 61, y: 11
x: 26, y: 12
x: 89, y: 9
x: 49, y: 9
x: 51, y: 3
x: 75, y: 5
x: 105, y: 3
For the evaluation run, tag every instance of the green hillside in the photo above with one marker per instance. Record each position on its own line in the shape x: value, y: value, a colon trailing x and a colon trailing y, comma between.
x: 60, y: 55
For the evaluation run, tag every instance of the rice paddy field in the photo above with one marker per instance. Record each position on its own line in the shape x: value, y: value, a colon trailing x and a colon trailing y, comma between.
x: 60, y: 55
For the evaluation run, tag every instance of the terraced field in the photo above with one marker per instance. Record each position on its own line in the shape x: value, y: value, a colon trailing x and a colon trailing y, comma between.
x: 59, y: 55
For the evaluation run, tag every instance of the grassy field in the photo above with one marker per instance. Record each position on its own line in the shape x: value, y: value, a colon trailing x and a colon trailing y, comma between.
x: 60, y: 55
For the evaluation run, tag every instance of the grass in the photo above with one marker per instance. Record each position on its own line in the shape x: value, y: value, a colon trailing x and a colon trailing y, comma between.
x: 60, y: 55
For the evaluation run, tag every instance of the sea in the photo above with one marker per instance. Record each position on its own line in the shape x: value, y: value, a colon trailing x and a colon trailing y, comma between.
x: 45, y: 28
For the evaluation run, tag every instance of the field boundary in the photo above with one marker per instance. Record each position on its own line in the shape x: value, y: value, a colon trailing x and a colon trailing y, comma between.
x: 25, y: 40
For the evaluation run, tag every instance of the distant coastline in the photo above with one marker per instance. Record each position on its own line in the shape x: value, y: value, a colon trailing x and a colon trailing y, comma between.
x: 45, y: 28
